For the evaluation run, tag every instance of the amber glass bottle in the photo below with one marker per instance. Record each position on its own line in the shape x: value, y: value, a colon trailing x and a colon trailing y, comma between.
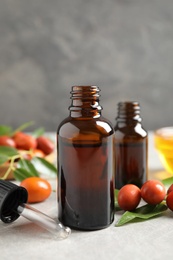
x: 131, y: 144
x: 85, y: 163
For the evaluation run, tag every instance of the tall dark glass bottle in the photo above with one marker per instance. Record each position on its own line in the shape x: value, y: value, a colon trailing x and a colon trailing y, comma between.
x: 85, y: 163
x: 131, y: 146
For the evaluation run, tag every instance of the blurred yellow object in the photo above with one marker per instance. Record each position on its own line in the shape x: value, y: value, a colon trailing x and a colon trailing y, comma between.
x: 163, y: 140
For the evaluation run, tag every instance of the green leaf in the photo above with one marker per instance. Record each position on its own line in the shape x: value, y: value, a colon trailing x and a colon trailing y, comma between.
x: 28, y: 166
x: 167, y: 182
x: 5, y: 130
x: 43, y: 166
x: 3, y: 159
x: 8, y: 151
x: 38, y: 132
x: 21, y: 174
x: 145, y: 212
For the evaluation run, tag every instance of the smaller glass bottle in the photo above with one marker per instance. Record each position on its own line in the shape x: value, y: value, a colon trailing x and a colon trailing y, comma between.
x: 131, y: 146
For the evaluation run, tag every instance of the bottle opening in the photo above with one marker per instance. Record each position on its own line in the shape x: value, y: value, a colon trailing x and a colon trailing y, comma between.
x: 86, y: 100
x: 129, y: 110
x: 85, y: 91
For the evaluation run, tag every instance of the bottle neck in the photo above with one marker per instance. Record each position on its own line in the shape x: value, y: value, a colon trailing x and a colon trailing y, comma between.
x: 85, y: 102
x: 128, y: 113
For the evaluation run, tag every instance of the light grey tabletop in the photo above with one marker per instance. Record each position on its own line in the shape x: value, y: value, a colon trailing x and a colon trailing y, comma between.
x: 150, y: 239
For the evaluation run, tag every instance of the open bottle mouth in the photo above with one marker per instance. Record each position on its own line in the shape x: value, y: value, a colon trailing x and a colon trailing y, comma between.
x: 85, y: 92
x: 85, y: 99
x: 85, y: 89
x: 129, y: 110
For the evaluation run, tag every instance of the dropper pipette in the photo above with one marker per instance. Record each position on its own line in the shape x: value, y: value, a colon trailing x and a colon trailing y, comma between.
x: 13, y: 200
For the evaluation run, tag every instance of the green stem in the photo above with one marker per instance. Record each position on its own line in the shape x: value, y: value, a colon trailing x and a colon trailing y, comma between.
x: 12, y: 163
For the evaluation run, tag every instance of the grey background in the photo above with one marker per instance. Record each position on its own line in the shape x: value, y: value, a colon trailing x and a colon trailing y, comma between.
x: 123, y: 46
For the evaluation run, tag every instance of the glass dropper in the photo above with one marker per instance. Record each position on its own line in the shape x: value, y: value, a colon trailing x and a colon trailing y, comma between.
x: 13, y: 200
x: 44, y: 221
